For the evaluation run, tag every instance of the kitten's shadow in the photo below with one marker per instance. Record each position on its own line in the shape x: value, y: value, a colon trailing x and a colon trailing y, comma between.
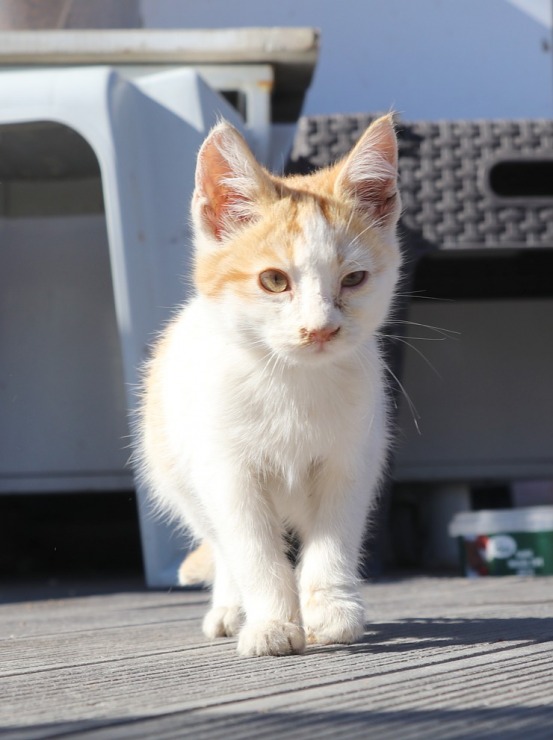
x: 422, y: 634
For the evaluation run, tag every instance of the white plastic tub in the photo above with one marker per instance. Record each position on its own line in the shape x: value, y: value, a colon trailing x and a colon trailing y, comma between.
x: 505, y: 542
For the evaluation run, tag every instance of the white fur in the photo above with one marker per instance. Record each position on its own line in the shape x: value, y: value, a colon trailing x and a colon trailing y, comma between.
x: 257, y: 432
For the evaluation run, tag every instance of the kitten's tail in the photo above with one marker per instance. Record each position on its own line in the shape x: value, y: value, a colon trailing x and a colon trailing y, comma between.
x: 197, y: 568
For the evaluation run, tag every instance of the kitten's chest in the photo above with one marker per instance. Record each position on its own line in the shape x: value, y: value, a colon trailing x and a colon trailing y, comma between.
x: 288, y: 422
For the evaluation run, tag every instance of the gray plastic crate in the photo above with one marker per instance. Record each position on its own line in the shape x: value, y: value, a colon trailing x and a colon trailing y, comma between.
x: 464, y: 184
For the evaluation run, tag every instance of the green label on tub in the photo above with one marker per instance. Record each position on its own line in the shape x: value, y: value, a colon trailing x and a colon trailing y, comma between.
x: 512, y: 553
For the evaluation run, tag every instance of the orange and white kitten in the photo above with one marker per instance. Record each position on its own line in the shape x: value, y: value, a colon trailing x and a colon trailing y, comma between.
x: 264, y: 407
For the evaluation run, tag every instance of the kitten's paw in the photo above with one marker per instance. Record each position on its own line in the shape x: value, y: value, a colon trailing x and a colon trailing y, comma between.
x: 271, y: 638
x: 222, y: 621
x: 330, y: 619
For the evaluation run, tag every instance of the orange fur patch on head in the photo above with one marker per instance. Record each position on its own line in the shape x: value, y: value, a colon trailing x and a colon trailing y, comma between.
x: 270, y: 241
x: 353, y: 225
x: 266, y: 243
x: 352, y: 196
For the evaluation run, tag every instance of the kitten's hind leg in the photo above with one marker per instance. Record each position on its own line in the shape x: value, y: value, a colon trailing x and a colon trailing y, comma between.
x: 225, y: 616
x: 198, y: 567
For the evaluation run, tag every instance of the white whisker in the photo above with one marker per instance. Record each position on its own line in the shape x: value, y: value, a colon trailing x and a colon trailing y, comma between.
x: 418, y: 351
x: 412, y: 408
x: 416, y: 295
x: 422, y: 339
x: 440, y: 330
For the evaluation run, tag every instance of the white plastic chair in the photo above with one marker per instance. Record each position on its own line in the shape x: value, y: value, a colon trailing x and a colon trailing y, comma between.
x: 145, y: 134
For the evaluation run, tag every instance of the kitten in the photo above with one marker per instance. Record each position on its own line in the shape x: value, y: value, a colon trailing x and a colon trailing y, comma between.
x: 264, y: 406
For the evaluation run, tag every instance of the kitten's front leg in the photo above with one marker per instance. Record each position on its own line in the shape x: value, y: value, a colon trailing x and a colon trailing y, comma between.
x: 250, y: 543
x: 332, y: 607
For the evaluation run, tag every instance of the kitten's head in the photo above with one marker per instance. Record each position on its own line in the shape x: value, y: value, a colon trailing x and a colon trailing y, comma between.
x: 303, y: 267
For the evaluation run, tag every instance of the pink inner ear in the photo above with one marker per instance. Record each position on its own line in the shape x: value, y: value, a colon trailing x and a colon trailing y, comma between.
x: 220, y: 210
x: 223, y: 204
x: 211, y: 171
x: 376, y: 195
x: 369, y: 174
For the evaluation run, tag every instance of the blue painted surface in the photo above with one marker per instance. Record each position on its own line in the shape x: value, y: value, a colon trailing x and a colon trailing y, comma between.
x: 428, y: 59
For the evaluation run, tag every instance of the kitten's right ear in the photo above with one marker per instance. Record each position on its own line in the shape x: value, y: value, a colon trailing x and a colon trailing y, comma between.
x: 229, y: 183
x: 368, y: 174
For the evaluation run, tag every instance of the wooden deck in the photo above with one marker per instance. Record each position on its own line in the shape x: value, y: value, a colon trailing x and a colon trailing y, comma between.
x: 441, y: 658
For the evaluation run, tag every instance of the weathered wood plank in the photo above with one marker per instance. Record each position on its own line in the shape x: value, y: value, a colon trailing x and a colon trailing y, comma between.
x: 438, y: 656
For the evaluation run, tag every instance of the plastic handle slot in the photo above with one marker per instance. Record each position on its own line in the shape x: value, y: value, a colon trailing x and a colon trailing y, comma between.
x: 522, y: 178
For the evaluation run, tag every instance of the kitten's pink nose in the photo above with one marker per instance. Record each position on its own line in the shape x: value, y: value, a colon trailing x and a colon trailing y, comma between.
x: 322, y: 335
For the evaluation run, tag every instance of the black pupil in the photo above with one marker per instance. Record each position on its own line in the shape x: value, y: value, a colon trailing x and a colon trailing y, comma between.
x: 354, y: 278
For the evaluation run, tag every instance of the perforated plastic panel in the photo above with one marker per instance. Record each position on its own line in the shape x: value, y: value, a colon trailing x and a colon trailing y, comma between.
x: 464, y: 183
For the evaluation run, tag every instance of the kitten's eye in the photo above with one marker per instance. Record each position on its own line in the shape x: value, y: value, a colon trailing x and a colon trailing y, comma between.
x: 274, y: 281
x: 354, y: 279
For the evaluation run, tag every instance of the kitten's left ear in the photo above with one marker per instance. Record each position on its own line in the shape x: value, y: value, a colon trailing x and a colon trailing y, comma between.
x: 368, y: 175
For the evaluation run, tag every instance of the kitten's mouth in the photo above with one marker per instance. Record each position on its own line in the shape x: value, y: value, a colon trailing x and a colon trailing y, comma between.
x: 319, y: 347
